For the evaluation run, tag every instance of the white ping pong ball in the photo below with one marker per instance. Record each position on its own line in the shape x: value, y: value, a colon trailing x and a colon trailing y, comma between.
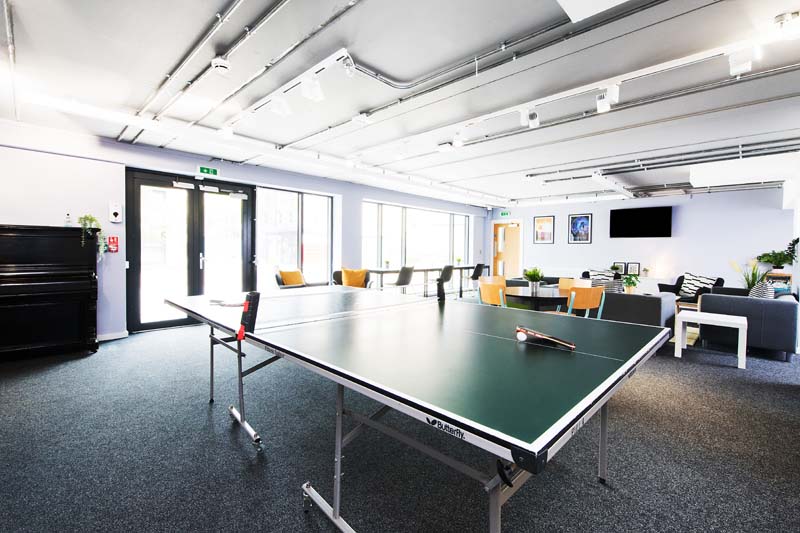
x: 521, y: 336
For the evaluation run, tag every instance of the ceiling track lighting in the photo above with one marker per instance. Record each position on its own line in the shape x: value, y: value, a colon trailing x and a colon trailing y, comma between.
x: 529, y: 118
x: 741, y: 61
x: 279, y: 106
x: 311, y: 89
x: 608, y: 97
x: 788, y: 25
x: 444, y: 148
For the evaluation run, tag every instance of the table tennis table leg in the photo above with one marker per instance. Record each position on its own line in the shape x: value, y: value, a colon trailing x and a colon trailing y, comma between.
x: 211, y: 364
x: 495, y: 508
x: 602, y: 468
x: 239, y: 415
x: 337, y: 476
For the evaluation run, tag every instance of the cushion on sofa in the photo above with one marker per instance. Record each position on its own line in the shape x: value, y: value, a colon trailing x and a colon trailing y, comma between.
x: 693, y: 283
x: 762, y: 289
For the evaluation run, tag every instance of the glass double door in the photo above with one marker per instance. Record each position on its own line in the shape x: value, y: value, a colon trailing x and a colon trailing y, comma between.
x: 186, y: 237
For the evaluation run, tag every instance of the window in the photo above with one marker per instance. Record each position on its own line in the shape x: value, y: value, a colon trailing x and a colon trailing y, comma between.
x: 428, y: 238
x: 416, y: 237
x: 293, y: 232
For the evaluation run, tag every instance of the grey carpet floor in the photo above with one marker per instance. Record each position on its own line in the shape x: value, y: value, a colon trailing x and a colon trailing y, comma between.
x: 124, y: 440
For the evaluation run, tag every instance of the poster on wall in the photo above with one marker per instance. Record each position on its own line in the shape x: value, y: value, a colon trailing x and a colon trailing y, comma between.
x: 543, y: 230
x: 580, y: 229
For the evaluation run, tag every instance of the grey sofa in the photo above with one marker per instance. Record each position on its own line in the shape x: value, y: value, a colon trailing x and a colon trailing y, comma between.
x: 651, y: 310
x: 771, y: 324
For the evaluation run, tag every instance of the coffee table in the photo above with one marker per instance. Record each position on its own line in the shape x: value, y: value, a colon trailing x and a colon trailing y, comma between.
x: 711, y: 319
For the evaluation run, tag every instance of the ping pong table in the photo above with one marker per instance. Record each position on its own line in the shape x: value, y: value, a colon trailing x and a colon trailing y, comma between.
x: 453, y: 365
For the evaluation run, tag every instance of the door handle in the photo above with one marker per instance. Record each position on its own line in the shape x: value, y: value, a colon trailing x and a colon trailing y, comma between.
x: 202, y: 261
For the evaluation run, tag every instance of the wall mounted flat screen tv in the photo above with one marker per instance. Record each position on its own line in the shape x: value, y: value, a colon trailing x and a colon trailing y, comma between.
x: 642, y: 222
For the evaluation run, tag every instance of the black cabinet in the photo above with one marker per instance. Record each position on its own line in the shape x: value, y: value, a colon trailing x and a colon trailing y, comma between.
x: 48, y: 289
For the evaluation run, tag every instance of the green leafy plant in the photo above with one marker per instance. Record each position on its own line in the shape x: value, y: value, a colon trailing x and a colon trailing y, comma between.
x: 630, y: 280
x: 88, y: 222
x: 535, y: 274
x: 779, y: 258
x: 753, y: 275
x: 614, y: 268
x: 458, y: 260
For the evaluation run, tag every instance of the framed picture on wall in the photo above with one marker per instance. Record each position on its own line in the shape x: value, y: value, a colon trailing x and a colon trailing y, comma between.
x: 580, y: 229
x: 633, y: 268
x: 544, y: 230
x: 621, y: 266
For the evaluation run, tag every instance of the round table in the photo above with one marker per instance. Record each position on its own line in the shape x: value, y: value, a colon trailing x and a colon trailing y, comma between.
x: 549, y: 295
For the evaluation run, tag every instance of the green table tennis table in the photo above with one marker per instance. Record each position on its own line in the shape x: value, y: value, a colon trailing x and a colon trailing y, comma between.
x: 452, y: 365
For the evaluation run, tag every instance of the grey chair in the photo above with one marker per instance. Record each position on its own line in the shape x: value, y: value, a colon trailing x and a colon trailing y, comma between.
x: 403, y: 278
x: 445, y: 277
x: 477, y: 272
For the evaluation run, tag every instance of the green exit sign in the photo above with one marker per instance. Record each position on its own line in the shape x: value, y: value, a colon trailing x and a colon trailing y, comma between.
x: 207, y: 171
x: 505, y: 213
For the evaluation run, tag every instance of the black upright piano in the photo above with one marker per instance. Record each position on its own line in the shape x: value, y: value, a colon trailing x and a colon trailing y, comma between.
x: 48, y: 290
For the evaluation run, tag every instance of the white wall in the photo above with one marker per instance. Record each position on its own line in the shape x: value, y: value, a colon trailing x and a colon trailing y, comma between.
x: 39, y: 189
x: 48, y: 172
x: 708, y: 230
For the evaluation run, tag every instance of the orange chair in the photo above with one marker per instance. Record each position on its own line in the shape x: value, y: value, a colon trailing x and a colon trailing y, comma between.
x: 492, y: 290
x: 586, y: 299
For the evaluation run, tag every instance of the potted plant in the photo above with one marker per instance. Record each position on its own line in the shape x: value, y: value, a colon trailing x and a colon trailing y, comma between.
x: 780, y: 258
x: 534, y: 277
x: 614, y: 268
x: 458, y: 261
x: 386, y: 264
x: 630, y: 282
x: 752, y: 275
x: 87, y: 223
x: 645, y: 271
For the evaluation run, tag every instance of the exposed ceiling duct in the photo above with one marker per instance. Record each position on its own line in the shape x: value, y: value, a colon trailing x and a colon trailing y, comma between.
x: 263, y: 70
x: 504, y: 47
x: 219, y: 21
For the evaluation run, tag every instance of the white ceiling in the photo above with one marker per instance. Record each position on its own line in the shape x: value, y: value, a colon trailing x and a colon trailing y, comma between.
x: 113, y: 54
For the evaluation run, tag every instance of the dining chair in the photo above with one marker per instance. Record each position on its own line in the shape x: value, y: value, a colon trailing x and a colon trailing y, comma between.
x: 445, y: 275
x: 403, y: 278
x: 585, y: 299
x: 492, y: 290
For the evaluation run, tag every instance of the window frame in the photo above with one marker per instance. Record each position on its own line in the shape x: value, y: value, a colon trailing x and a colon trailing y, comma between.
x: 404, y: 237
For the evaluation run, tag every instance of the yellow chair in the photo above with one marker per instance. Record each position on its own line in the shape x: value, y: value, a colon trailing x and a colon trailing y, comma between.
x: 492, y: 290
x: 586, y: 299
x: 566, y: 283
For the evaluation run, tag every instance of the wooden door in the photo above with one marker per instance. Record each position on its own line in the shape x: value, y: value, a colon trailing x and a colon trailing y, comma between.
x: 507, y: 250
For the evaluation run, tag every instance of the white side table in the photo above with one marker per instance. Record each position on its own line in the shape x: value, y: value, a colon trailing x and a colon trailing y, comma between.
x: 711, y: 319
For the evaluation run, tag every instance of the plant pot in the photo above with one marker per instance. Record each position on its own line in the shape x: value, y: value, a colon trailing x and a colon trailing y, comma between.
x: 534, y: 285
x: 630, y: 290
x: 777, y: 267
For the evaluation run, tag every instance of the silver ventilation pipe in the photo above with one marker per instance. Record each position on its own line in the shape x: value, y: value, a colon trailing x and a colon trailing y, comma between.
x: 12, y: 55
x: 512, y: 57
x: 246, y: 36
x: 469, y: 61
x: 220, y: 20
x: 265, y: 69
x: 693, y: 157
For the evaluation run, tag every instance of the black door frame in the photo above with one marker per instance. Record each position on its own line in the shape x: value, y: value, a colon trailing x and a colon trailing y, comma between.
x: 195, y: 241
